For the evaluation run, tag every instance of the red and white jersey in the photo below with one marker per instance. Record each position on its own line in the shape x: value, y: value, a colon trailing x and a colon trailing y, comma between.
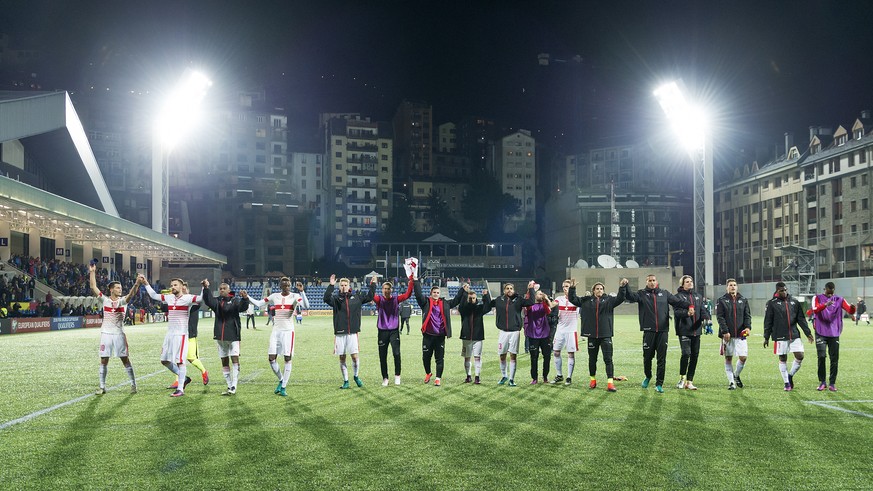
x: 283, y: 309
x: 568, y: 315
x: 113, y: 315
x: 177, y: 313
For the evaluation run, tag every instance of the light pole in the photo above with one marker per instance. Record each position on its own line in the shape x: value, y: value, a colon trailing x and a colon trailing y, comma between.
x: 689, y: 124
x: 179, y: 113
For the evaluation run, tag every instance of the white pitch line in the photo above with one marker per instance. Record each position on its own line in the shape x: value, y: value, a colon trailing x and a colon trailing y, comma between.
x: 829, y: 405
x: 35, y: 414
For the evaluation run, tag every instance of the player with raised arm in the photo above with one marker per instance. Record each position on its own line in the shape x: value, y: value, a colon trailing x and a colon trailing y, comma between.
x: 347, y: 306
x: 537, y: 331
x: 282, y: 305
x: 436, y: 326
x: 175, y: 346
x: 473, y: 329
x: 388, y: 326
x: 227, y: 329
x: 598, y: 314
x: 193, y: 355
x: 566, y: 336
x: 113, y: 341
x: 508, y: 320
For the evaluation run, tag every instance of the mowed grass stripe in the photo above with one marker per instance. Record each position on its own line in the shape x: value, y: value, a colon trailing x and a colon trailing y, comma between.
x: 417, y: 436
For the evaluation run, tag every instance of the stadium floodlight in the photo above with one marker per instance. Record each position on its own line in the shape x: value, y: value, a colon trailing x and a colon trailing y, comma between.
x: 690, y: 125
x: 180, y: 113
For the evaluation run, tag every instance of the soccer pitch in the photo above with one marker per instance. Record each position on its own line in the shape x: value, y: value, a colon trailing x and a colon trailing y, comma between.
x: 56, y: 434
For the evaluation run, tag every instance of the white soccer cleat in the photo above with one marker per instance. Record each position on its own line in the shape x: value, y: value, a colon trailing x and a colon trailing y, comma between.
x: 384, y: 382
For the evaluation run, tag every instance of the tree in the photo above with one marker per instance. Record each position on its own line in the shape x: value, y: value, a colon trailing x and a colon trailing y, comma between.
x: 401, y: 222
x: 488, y: 206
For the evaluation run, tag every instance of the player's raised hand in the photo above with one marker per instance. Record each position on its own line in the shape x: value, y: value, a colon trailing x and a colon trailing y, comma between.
x: 92, y: 268
x: 572, y: 282
x: 373, y: 280
x: 205, y: 283
x: 299, y: 286
x: 244, y: 294
x: 333, y: 279
x: 623, y: 282
x: 531, y: 284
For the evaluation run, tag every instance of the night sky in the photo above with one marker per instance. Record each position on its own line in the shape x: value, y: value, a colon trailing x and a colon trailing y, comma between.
x: 762, y: 68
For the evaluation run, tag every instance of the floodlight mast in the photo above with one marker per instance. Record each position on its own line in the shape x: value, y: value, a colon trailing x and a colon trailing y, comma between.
x: 689, y: 124
x: 179, y: 113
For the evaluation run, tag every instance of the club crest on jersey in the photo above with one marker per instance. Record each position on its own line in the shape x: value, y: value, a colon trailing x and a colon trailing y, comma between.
x: 660, y: 294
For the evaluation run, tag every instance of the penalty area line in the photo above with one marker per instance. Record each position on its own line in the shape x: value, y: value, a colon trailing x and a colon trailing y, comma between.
x: 831, y: 405
x: 36, y: 414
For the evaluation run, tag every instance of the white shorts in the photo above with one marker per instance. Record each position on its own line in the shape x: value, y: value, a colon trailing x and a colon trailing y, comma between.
x: 566, y: 339
x: 784, y: 347
x: 471, y: 348
x: 735, y: 347
x: 281, y: 343
x: 227, y: 348
x: 175, y: 348
x: 345, y: 344
x: 113, y: 345
x: 507, y: 341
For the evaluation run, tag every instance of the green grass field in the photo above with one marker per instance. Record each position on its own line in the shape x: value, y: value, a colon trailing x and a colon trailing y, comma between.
x: 417, y: 436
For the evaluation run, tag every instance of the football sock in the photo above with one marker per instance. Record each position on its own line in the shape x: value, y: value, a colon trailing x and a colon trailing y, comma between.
x: 512, y: 364
x: 183, y: 370
x: 275, y: 366
x: 795, y: 367
x: 102, y: 371
x: 467, y: 366
x: 739, y: 368
x: 199, y: 364
x: 478, y: 364
x: 783, y: 369
x: 558, y: 363
x: 356, y: 366
x: 226, y: 372
x: 503, y: 368
x: 571, y: 363
x: 287, y: 374
x: 234, y: 375
x: 129, y: 370
x: 729, y: 371
x: 345, y: 370
x: 173, y: 368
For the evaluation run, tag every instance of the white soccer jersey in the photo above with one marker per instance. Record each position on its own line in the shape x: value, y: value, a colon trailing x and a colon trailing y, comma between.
x: 177, y: 310
x: 568, y: 315
x: 113, y: 315
x: 283, y: 309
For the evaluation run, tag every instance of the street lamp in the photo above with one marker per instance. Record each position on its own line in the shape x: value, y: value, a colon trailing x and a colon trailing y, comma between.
x: 689, y: 123
x: 179, y: 113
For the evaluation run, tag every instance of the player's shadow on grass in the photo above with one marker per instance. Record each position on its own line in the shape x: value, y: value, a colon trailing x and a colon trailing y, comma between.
x: 75, y: 441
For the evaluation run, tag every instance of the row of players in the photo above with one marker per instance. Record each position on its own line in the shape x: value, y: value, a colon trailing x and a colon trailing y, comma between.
x: 783, y: 317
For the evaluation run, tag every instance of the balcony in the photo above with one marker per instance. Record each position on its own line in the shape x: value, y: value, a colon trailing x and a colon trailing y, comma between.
x: 361, y: 172
x: 363, y: 159
x: 361, y: 135
x: 354, y: 199
x: 367, y: 147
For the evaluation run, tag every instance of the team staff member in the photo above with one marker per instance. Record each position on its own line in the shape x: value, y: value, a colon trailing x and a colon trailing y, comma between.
x: 508, y: 319
x: 226, y: 329
x: 473, y: 329
x: 689, y: 327
x: 598, y: 314
x: 734, y: 323
x: 346, y: 306
x: 654, y: 315
x: 536, y: 331
x: 436, y: 326
x: 828, y: 310
x: 388, y: 327
x: 405, y: 314
x: 781, y: 320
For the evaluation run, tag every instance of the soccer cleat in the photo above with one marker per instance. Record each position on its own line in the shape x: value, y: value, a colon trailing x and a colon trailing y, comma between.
x: 533, y: 382
x: 205, y: 377
x: 227, y: 392
x: 437, y: 382
x: 611, y: 388
x: 545, y: 380
x: 788, y: 387
x: 233, y: 390
x: 468, y: 379
x: 558, y: 379
x: 659, y: 389
x: 592, y: 384
x: 512, y: 383
x: 568, y: 381
x: 177, y: 393
x: 791, y: 380
x: 681, y: 383
x: 278, y: 387
x: 738, y: 381
x: 832, y: 388
x: 174, y: 385
x: 502, y: 380
x: 690, y: 385
x: 100, y: 391
x: 397, y: 380
x: 133, y: 389
x: 476, y: 380
x: 645, y: 383
x: 384, y: 382
x: 283, y: 393
x: 358, y: 382
x: 822, y: 386
x: 732, y: 386
x: 187, y: 381
x: 427, y: 377
x: 345, y: 385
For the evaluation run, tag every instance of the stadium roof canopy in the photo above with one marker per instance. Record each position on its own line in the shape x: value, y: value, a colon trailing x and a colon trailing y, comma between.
x: 72, y: 198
